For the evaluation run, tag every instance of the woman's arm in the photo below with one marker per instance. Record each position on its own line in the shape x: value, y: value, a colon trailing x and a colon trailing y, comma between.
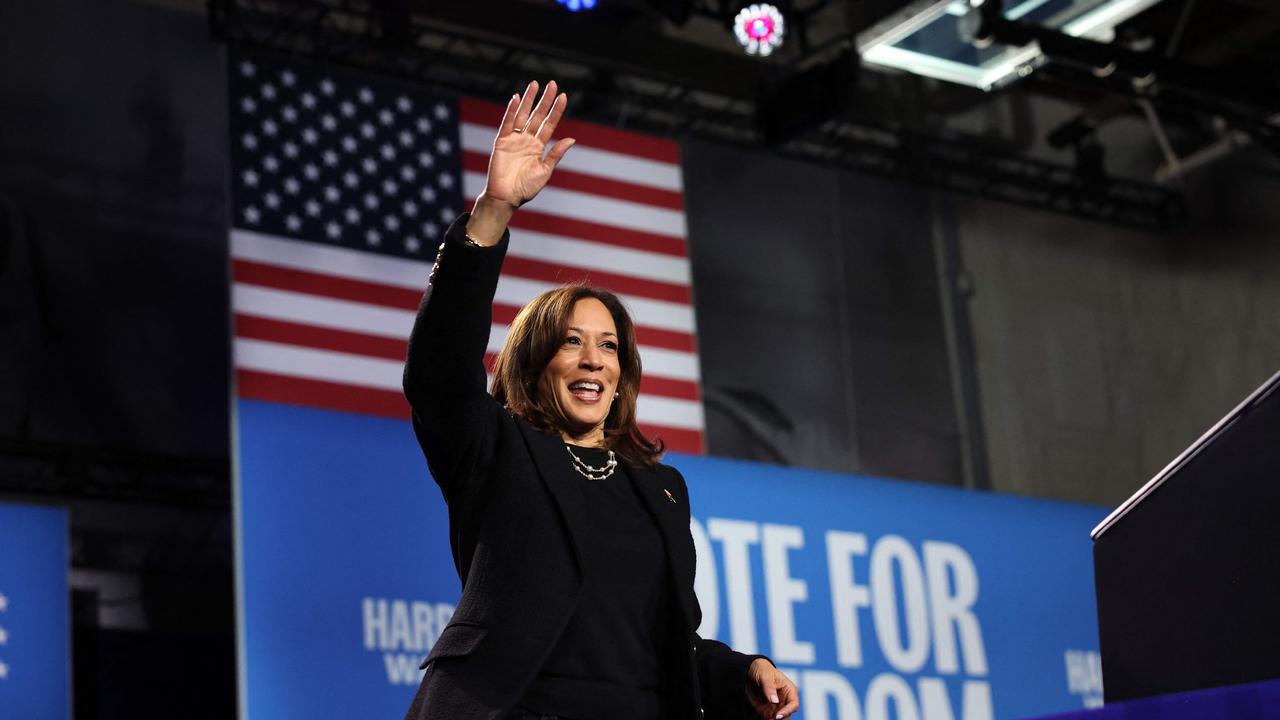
x: 444, y: 376
x: 737, y: 686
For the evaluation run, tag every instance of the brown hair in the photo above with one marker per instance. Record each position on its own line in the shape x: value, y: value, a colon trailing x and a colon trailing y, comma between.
x: 535, y: 336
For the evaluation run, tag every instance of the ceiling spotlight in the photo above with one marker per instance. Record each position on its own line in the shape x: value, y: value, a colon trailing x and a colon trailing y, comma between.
x: 759, y: 28
x: 576, y: 5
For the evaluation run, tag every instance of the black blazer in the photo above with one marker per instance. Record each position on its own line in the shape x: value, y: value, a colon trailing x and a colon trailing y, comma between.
x: 515, y: 507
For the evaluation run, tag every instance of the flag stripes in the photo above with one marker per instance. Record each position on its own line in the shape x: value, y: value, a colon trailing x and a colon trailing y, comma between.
x: 322, y: 317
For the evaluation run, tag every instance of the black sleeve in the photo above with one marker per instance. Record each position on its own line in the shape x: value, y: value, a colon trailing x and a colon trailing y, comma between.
x: 444, y: 375
x: 722, y: 671
x: 723, y: 676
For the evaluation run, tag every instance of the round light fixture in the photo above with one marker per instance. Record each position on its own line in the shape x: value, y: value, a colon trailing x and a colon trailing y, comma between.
x: 759, y: 28
x: 576, y: 5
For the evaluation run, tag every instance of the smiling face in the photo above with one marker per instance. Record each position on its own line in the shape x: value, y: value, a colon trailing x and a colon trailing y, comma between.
x: 583, y: 374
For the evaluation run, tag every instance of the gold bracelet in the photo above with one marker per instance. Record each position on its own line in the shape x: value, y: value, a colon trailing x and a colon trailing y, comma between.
x: 470, y: 240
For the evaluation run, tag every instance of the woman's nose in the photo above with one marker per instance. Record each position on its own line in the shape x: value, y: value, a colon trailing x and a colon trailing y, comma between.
x: 590, y: 358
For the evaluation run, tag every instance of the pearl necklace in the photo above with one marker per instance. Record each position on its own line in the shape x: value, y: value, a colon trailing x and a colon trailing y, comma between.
x: 593, y: 473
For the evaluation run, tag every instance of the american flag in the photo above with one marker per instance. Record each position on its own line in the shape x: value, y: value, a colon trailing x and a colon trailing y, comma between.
x: 342, y: 186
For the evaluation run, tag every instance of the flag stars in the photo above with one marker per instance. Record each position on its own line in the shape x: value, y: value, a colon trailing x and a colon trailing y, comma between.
x: 290, y: 149
x: 410, y: 209
x: 4, y: 636
x: 309, y: 135
x: 373, y: 237
x: 270, y: 163
x: 443, y: 146
x: 446, y: 181
x: 289, y: 113
x: 291, y: 185
x: 407, y: 173
x: 424, y: 125
x: 365, y: 95
x: 350, y: 179
x: 352, y: 215
x: 293, y: 222
x: 349, y: 144
x: 428, y: 194
x: 412, y: 244
x: 386, y: 117
x: 248, y: 105
x: 330, y: 158
x: 387, y: 152
x: 4, y: 602
x: 441, y: 112
x: 332, y: 193
x: 312, y: 208
x: 371, y: 201
x: 406, y: 138
x: 4, y: 671
x: 404, y: 103
x: 288, y: 79
x: 367, y: 131
x: 333, y: 230
x: 430, y: 229
x: 369, y: 165
x: 391, y: 222
x: 251, y: 215
x: 327, y: 87
x: 250, y: 178
x: 270, y: 127
x: 247, y: 69
x: 446, y: 214
x: 390, y: 187
x: 268, y: 91
x: 272, y: 200
x: 328, y: 122
x: 347, y: 108
x: 426, y: 160
x: 249, y: 141
x: 308, y: 100
x: 311, y: 171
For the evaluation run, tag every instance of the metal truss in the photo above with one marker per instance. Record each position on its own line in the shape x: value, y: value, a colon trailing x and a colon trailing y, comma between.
x: 36, y: 469
x: 671, y: 90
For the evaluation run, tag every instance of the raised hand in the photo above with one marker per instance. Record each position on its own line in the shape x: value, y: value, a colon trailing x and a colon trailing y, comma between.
x: 519, y: 165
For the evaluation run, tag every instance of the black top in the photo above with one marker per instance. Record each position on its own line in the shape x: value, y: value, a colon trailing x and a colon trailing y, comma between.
x: 609, y: 662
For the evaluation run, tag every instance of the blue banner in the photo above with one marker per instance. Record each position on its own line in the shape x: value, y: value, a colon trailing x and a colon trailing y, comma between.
x: 35, y: 614
x: 880, y: 598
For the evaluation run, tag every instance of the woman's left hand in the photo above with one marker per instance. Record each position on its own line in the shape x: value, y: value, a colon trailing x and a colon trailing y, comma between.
x: 771, y: 693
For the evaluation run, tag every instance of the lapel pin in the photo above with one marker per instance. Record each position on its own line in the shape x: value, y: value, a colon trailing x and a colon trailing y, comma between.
x: 669, y: 496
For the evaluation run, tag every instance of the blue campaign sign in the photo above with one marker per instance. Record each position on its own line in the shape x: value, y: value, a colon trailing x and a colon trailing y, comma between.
x: 35, y: 614
x: 881, y: 598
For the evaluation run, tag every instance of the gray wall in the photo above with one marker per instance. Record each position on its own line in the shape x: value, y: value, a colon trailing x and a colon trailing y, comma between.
x: 819, y: 323
x: 113, y: 310
x: 1102, y: 353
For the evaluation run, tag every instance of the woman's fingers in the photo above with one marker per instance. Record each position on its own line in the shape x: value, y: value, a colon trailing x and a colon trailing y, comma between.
x: 547, y: 129
x: 509, y: 117
x: 543, y: 108
x: 558, y: 150
x: 791, y: 698
x: 526, y: 106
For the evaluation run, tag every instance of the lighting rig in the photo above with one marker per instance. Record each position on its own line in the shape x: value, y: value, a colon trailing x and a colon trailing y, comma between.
x: 626, y: 75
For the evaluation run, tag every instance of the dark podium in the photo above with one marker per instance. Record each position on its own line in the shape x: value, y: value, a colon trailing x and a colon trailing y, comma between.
x: 1187, y: 570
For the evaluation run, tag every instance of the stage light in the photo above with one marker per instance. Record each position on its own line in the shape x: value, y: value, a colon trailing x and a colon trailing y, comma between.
x: 576, y: 5
x: 759, y: 28
x: 928, y: 37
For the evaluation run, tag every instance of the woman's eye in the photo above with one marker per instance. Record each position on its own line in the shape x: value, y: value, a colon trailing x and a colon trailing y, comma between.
x: 611, y: 346
x: 572, y: 340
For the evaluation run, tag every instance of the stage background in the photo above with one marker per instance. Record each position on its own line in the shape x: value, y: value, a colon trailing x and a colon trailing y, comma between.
x: 967, y: 603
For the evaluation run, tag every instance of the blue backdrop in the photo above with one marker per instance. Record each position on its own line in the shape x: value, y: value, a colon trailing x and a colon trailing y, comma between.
x: 881, y: 598
x: 35, y: 616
